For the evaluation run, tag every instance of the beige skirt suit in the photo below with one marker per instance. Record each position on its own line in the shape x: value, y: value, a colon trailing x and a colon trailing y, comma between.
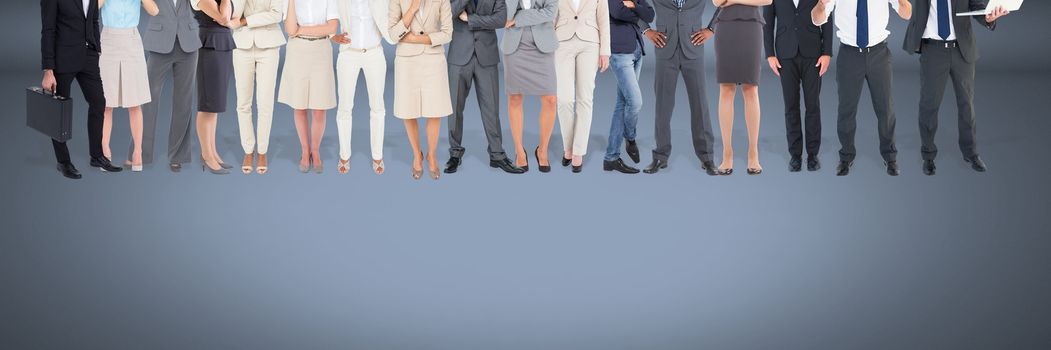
x: 421, y: 76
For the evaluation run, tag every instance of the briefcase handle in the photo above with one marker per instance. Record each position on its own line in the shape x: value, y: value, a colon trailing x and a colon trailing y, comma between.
x: 44, y: 91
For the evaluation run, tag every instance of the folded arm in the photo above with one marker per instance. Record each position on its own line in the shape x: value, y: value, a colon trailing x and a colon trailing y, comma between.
x: 493, y: 21
x: 534, y: 16
x: 272, y: 15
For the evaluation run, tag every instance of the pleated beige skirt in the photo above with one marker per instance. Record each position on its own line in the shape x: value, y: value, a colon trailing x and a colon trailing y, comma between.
x: 421, y: 87
x: 125, y: 82
x: 309, y: 79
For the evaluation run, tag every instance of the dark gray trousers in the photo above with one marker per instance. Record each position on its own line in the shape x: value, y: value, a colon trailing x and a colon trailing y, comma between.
x: 487, y: 91
x: 795, y: 72
x: 937, y: 64
x: 854, y: 68
x: 183, y: 67
x: 665, y: 81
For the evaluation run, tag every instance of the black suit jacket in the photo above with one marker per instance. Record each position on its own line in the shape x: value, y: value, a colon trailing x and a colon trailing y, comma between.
x: 789, y: 31
x: 67, y: 34
x: 921, y: 9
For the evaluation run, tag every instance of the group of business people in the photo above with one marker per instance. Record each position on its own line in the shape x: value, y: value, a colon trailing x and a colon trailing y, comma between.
x: 551, y: 49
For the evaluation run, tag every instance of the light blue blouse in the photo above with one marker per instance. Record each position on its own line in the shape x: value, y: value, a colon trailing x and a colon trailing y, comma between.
x: 121, y: 13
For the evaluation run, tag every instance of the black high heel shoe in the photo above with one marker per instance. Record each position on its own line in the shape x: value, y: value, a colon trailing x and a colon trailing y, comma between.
x: 754, y: 171
x: 726, y: 172
x: 566, y: 162
x: 525, y: 168
x: 543, y: 168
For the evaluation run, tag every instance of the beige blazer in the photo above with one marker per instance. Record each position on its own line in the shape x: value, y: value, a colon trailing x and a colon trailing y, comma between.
x: 590, y: 22
x: 263, y: 17
x: 435, y: 20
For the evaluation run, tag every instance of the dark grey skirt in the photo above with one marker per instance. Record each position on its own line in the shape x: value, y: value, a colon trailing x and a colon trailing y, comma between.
x: 738, y: 52
x: 527, y: 71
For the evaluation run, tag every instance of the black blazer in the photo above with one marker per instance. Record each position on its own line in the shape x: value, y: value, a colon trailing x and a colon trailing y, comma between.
x: 789, y: 31
x: 624, y: 31
x: 921, y: 9
x: 68, y: 35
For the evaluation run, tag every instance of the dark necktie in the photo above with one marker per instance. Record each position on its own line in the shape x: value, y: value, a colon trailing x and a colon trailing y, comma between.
x: 863, y: 23
x: 943, y: 19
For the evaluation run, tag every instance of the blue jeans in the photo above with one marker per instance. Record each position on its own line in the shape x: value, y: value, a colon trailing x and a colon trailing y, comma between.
x: 627, y: 67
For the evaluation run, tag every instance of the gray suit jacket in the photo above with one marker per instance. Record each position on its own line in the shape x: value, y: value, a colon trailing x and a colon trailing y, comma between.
x: 678, y: 26
x: 170, y: 24
x: 541, y: 18
x: 477, y: 36
x: 964, y: 34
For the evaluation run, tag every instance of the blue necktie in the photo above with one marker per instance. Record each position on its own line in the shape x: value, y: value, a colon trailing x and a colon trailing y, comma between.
x: 943, y: 19
x: 863, y: 23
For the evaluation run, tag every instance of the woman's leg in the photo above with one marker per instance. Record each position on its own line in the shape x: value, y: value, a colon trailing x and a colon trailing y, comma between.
x: 751, y: 120
x: 434, y: 127
x: 548, y: 105
x: 412, y: 130
x: 514, y: 115
x: 107, y: 131
x: 726, y: 123
x: 204, y: 120
x: 317, y: 132
x: 302, y: 127
x: 135, y: 121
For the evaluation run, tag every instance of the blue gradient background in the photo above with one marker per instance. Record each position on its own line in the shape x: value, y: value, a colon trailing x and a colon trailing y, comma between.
x: 484, y: 260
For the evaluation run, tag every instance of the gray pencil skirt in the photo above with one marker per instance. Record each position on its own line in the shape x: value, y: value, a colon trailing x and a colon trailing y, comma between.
x: 527, y: 71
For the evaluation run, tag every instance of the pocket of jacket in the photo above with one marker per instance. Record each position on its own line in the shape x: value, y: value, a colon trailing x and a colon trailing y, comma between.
x: 156, y: 26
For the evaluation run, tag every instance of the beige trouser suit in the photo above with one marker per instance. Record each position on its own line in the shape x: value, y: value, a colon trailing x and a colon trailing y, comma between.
x: 256, y: 59
x: 582, y: 29
x: 365, y: 23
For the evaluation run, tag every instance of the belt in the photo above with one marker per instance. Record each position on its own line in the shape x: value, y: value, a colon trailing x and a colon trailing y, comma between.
x: 363, y: 50
x: 311, y: 38
x: 865, y: 49
x: 947, y: 44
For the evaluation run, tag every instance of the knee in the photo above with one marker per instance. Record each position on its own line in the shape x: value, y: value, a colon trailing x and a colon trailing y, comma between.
x: 549, y: 100
x: 727, y: 89
x: 514, y: 100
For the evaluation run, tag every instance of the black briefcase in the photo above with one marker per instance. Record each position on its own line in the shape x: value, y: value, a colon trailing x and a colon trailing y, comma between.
x: 50, y: 114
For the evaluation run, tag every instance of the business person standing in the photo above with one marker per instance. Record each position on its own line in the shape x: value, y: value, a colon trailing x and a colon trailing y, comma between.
x: 583, y: 50
x: 364, y: 26
x: 947, y: 49
x: 863, y: 57
x: 259, y: 39
x: 214, y: 66
x: 738, y: 61
x: 308, y: 82
x: 679, y: 34
x: 171, y: 43
x: 799, y: 53
x: 529, y: 46
x: 69, y: 50
x: 123, y: 68
x: 473, y: 59
x: 421, y: 76
x: 628, y: 49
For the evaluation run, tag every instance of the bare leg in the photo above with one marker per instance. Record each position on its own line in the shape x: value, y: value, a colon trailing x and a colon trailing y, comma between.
x: 317, y: 131
x: 203, y: 121
x: 548, y: 107
x: 434, y: 127
x: 211, y: 135
x: 412, y: 130
x: 514, y: 115
x: 302, y: 126
x: 726, y: 123
x: 107, y: 132
x: 751, y: 120
x: 135, y: 121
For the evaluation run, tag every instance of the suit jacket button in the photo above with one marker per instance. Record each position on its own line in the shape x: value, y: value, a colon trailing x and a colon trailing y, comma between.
x: 574, y: 17
x: 421, y: 32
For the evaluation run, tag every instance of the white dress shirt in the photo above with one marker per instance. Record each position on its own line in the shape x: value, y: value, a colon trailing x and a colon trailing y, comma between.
x: 576, y: 5
x: 527, y: 4
x: 847, y: 20
x: 797, y: 2
x: 316, y: 12
x: 360, y: 25
x: 86, y: 4
x: 932, y: 23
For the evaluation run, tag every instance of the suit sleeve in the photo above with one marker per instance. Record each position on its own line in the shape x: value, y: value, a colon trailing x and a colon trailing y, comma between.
x: 827, y: 30
x: 457, y: 7
x: 497, y: 20
x: 535, y: 16
x: 445, y: 34
x: 618, y: 11
x: 769, y: 15
x: 396, y: 27
x: 272, y: 16
x: 48, y: 32
x: 977, y: 5
x: 603, y: 27
x: 644, y: 10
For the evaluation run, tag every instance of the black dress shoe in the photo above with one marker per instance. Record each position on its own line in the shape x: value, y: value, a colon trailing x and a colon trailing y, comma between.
x: 566, y: 161
x: 105, y: 165
x: 655, y: 166
x: 543, y: 168
x: 618, y: 165
x: 812, y: 164
x: 843, y: 169
x: 976, y: 163
x: 710, y: 168
x: 892, y: 168
x: 633, y: 151
x: 454, y: 164
x: 505, y: 165
x: 69, y: 171
x: 928, y: 167
x: 796, y: 164
x: 175, y: 167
